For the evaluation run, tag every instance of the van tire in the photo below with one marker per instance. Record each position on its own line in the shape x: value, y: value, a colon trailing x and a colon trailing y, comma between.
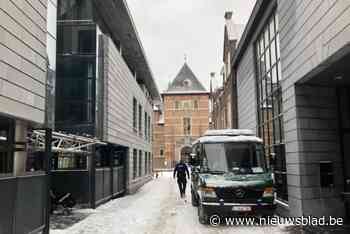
x: 202, y: 216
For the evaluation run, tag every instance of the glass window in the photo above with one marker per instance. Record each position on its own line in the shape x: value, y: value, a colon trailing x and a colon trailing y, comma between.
x: 274, y: 76
x: 134, y: 162
x: 145, y: 161
x: 6, y: 143
x: 270, y: 123
x: 267, y: 59
x: 273, y: 53
x: 76, y: 39
x: 75, y: 67
x: 74, y: 111
x: 134, y: 114
x: 187, y: 126
x: 75, y: 89
x: 261, y: 46
x: 140, y: 163
x: 186, y: 104
x: 266, y: 38
x: 69, y: 161
x: 234, y: 157
x: 140, y: 120
x: 146, y: 126
x: 177, y: 105
x: 272, y: 28
x: 268, y: 84
x: 262, y: 65
x: 195, y: 104
x: 74, y: 10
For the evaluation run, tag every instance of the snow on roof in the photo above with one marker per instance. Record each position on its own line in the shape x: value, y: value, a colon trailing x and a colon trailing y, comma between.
x: 225, y: 139
x: 229, y: 132
x: 228, y: 135
x: 186, y: 92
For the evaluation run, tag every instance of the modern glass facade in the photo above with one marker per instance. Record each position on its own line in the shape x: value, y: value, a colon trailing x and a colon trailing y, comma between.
x: 76, y: 68
x: 269, y: 93
x: 6, y: 145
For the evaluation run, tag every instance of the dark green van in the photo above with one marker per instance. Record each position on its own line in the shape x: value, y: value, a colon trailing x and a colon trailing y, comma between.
x: 230, y: 175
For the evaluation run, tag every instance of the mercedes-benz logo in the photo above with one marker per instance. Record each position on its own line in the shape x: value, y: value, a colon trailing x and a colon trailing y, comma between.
x: 239, y: 193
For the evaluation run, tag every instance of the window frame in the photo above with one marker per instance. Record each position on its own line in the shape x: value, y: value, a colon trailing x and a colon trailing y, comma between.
x: 134, y: 166
x: 140, y: 120
x: 187, y: 132
x: 134, y: 114
x: 146, y: 126
x: 269, y: 100
x: 140, y: 163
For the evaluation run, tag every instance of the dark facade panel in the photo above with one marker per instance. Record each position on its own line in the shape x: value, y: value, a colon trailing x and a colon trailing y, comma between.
x: 103, y: 185
x: 7, y: 204
x: 74, y: 182
x: 31, y: 203
x: 118, y: 180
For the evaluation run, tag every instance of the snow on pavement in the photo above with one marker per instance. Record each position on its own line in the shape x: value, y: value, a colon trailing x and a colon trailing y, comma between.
x: 155, y: 208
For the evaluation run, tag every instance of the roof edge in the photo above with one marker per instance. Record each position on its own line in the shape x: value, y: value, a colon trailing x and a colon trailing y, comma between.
x: 258, y: 9
x: 157, y: 94
x: 184, y: 92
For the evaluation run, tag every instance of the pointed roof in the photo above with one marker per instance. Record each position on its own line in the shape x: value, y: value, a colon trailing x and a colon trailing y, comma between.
x: 185, y: 82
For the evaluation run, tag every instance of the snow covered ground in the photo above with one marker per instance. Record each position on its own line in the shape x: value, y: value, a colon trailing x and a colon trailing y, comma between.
x: 155, y: 208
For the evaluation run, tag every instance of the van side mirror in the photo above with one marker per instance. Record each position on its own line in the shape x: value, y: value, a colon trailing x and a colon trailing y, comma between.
x: 194, y: 160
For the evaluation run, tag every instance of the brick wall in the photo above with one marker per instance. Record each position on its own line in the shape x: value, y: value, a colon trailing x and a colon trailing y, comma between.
x: 173, y: 128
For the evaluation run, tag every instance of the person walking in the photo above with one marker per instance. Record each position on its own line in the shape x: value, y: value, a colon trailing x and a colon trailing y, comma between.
x: 181, y: 171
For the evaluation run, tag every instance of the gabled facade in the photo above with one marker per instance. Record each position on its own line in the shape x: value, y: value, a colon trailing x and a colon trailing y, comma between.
x: 183, y: 117
x: 224, y: 98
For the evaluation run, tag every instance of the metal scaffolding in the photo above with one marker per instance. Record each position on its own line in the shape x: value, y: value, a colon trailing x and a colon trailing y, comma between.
x: 62, y: 143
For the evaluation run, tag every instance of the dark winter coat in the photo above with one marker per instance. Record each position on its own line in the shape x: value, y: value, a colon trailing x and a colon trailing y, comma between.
x: 181, y: 170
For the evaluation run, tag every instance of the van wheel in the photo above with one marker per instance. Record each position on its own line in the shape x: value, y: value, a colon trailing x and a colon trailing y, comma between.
x: 194, y: 199
x: 202, y: 216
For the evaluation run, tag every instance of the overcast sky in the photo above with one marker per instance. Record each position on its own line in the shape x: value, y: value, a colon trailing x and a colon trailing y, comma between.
x: 169, y: 29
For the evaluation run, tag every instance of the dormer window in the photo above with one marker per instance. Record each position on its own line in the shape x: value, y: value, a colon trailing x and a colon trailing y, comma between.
x: 187, y: 83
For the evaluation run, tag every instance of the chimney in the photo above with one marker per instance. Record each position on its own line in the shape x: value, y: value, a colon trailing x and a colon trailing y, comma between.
x: 228, y: 15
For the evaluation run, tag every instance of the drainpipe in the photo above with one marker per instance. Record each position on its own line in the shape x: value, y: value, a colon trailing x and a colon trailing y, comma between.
x: 48, y: 153
x: 92, y: 170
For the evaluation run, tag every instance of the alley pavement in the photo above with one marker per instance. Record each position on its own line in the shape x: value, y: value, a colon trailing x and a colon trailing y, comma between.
x: 155, y: 208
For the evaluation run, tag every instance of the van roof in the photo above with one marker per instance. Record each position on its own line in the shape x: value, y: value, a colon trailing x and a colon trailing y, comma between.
x: 229, y: 132
x: 228, y: 135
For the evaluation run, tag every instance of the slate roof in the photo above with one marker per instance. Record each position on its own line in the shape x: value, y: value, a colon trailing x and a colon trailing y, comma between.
x: 186, y: 82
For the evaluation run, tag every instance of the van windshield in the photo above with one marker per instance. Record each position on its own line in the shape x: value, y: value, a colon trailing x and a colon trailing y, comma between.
x: 237, y: 158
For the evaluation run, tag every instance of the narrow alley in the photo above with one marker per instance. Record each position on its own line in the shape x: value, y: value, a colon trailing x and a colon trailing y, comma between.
x: 156, y: 208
